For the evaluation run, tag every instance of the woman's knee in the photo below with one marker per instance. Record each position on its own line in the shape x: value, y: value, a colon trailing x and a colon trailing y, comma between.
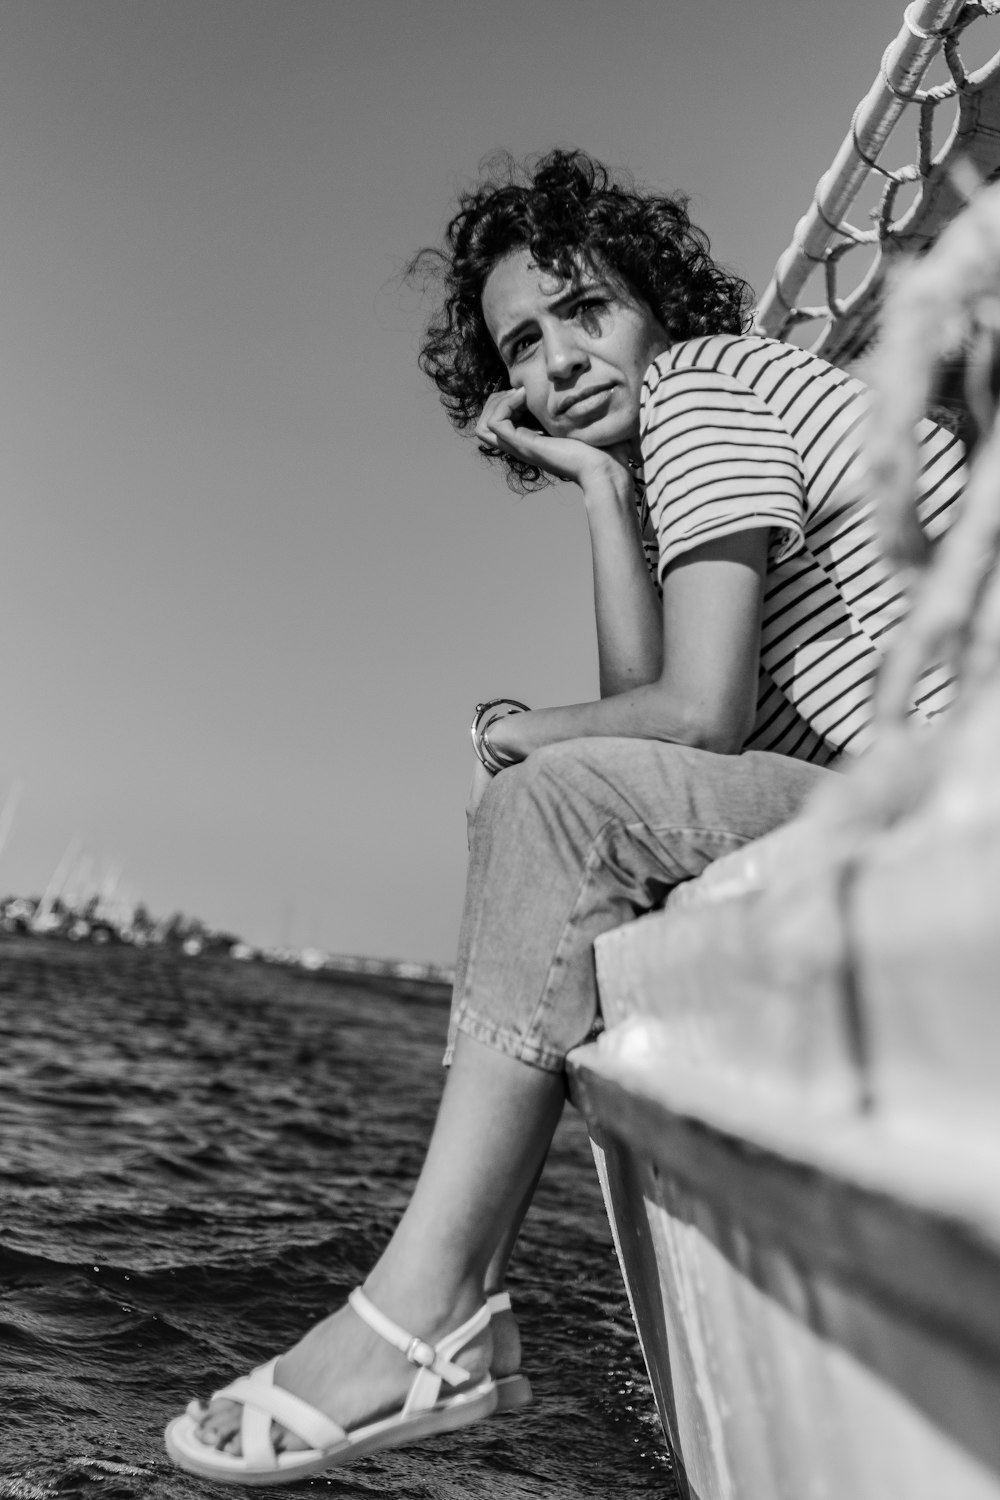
x: 564, y: 776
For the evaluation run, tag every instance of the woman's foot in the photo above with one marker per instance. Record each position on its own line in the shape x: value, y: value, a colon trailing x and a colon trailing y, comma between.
x: 346, y: 1370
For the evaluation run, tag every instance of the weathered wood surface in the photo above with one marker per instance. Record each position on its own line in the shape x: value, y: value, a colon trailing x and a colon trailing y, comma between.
x: 802, y: 1147
x: 778, y: 1378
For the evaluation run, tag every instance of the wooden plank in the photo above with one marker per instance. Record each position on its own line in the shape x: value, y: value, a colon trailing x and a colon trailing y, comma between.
x: 926, y: 949
x: 933, y: 1265
x: 806, y: 1338
x: 708, y: 972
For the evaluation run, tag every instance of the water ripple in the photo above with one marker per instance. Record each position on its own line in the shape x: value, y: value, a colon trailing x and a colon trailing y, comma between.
x: 203, y: 1158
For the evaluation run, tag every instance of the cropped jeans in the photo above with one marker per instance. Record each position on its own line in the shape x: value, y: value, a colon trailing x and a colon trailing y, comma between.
x: 580, y: 837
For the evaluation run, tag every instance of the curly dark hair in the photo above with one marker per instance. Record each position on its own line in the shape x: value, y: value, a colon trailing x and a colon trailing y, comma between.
x: 565, y: 208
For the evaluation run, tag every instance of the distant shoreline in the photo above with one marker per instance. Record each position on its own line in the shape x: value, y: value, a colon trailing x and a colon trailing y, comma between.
x: 100, y: 925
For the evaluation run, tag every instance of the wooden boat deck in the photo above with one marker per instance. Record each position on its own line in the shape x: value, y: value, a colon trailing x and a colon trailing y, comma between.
x: 800, y: 1149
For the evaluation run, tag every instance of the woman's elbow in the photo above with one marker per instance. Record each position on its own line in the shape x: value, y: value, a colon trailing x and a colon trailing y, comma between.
x: 722, y: 730
x: 718, y: 741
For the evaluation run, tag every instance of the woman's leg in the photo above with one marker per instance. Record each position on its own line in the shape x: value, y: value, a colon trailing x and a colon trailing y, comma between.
x: 493, y: 1130
x: 578, y: 839
x: 504, y: 1329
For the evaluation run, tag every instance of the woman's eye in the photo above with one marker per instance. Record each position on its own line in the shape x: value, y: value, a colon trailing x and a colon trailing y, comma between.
x: 588, y: 311
x: 521, y: 346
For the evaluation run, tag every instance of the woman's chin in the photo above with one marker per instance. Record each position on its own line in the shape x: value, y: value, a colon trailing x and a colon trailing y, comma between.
x: 607, y: 434
x: 606, y: 430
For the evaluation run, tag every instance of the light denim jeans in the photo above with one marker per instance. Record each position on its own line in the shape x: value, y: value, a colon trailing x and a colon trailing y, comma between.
x: 581, y: 837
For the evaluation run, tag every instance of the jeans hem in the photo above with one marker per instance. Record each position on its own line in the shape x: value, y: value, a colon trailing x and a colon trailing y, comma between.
x: 510, y: 1043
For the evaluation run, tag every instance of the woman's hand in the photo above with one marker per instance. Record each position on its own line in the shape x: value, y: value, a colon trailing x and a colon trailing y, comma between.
x: 562, y: 457
x: 481, y: 779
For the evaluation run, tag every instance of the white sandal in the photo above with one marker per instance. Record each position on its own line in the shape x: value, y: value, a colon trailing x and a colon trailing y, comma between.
x: 513, y: 1391
x: 423, y: 1413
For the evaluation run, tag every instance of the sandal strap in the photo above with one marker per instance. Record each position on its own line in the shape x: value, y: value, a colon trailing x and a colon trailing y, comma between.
x: 498, y: 1302
x: 432, y: 1357
x: 264, y: 1402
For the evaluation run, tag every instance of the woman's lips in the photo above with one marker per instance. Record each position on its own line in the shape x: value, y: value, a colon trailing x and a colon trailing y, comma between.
x: 585, y: 403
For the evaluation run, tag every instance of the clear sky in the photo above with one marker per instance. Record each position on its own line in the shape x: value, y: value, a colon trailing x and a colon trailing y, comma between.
x: 252, y: 584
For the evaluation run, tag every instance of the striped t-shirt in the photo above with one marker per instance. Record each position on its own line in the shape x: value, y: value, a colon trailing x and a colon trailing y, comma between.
x: 739, y: 432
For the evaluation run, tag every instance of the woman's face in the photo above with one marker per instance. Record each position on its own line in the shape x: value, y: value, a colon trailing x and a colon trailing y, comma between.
x: 579, y: 348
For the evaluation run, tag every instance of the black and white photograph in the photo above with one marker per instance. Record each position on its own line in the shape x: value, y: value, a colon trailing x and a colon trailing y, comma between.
x: 500, y: 761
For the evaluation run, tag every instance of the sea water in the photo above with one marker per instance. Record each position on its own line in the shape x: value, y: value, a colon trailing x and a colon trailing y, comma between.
x: 201, y: 1158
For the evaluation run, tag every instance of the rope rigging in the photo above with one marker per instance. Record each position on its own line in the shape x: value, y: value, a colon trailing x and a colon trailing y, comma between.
x: 969, y: 156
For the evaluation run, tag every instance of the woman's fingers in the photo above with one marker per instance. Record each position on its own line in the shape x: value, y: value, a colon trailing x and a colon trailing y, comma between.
x: 497, y: 426
x: 500, y: 427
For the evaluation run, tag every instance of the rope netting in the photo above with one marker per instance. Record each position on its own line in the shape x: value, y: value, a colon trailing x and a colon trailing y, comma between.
x: 940, y: 181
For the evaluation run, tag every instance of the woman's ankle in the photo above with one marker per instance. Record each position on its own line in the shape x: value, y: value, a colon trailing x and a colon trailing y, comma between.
x: 427, y: 1307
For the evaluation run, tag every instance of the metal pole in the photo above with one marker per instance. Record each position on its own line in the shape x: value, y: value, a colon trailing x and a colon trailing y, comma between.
x: 905, y: 63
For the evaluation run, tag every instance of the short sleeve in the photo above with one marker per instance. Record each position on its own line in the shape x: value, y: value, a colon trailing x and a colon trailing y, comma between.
x: 716, y: 460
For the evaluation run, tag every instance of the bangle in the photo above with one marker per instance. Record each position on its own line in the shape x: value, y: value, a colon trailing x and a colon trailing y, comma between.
x: 492, y: 759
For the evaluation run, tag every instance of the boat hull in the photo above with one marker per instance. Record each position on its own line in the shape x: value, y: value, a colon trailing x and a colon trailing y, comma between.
x: 808, y: 1222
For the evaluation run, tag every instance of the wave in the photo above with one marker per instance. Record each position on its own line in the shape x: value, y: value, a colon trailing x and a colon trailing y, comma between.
x: 203, y: 1161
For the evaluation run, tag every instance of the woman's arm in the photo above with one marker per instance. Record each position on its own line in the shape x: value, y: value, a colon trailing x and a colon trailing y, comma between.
x: 626, y: 603
x: 687, y: 673
x: 706, y: 690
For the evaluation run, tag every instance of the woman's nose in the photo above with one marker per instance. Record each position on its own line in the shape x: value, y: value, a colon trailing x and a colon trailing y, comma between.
x: 563, y: 356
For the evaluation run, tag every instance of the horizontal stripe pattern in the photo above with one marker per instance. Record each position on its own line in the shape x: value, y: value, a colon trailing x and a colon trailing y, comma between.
x: 740, y: 432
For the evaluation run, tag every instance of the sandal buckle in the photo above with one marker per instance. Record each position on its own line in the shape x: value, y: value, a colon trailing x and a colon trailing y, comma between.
x: 421, y: 1353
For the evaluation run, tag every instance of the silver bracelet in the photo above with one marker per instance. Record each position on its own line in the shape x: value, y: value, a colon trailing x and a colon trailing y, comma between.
x: 488, y: 756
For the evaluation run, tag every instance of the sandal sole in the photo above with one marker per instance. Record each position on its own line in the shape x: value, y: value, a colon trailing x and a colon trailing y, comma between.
x: 392, y: 1432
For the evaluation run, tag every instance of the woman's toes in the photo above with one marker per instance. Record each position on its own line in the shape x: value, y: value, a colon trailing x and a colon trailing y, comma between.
x: 283, y: 1441
x: 228, y: 1441
x: 219, y: 1425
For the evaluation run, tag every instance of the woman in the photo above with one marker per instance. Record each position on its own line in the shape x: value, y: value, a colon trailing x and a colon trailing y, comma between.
x: 741, y: 606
